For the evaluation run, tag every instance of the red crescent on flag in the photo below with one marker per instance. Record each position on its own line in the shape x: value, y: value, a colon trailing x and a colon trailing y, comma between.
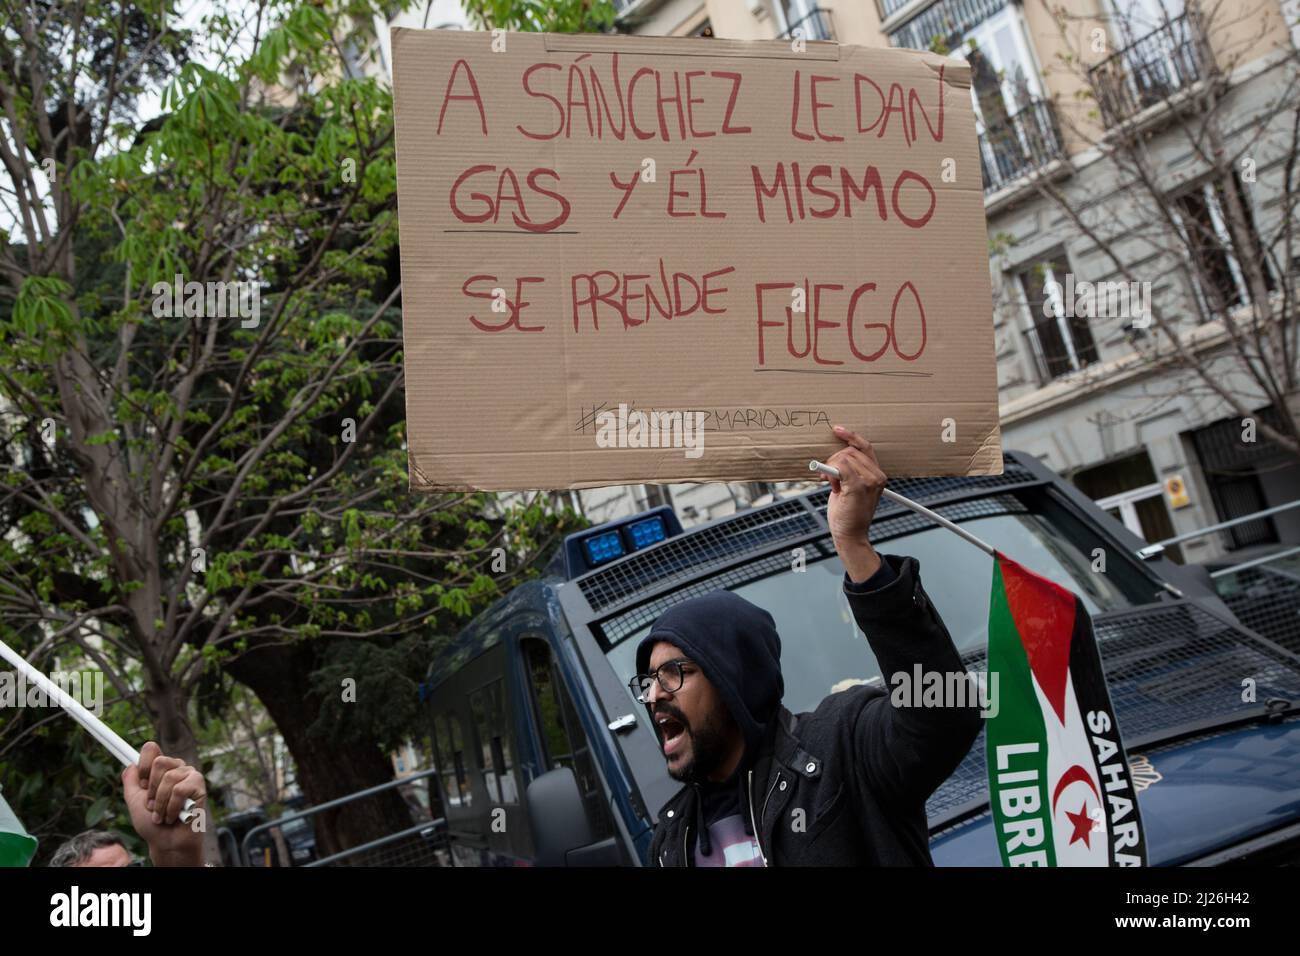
x: 1073, y: 775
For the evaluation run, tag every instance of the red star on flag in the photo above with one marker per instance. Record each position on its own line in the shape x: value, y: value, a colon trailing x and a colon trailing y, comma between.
x: 1082, y: 825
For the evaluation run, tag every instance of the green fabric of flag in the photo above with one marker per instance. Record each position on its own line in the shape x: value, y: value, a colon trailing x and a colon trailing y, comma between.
x: 17, y: 846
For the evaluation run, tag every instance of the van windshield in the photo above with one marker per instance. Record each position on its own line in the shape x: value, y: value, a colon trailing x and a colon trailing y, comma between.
x: 822, y: 650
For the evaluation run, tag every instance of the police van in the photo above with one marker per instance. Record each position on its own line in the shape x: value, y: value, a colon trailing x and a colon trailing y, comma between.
x: 544, y: 757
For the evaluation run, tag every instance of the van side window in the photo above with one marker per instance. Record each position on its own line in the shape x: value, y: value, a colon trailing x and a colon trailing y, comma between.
x: 450, y: 753
x: 498, y: 764
x: 564, y: 742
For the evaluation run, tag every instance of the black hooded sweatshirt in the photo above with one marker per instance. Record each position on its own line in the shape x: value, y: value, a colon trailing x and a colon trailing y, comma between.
x: 736, y: 646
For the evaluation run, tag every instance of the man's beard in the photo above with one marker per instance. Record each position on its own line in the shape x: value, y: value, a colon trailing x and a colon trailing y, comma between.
x: 708, y: 749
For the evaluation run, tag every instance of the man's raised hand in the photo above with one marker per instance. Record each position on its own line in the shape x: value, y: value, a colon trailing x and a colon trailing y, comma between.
x: 854, y: 497
x: 156, y: 790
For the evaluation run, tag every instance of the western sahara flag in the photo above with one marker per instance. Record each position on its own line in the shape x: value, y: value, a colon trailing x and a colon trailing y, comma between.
x: 16, y: 847
x: 1059, y: 783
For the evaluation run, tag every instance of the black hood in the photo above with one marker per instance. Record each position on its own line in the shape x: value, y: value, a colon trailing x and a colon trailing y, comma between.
x: 736, y: 647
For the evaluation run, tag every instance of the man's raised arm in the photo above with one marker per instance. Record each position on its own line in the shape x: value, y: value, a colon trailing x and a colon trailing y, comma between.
x: 909, y: 750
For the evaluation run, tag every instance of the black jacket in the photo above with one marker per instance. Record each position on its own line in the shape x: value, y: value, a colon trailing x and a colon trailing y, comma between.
x: 846, y: 784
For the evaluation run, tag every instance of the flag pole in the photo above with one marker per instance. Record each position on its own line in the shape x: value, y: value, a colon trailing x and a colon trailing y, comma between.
x: 831, y: 471
x: 127, y: 755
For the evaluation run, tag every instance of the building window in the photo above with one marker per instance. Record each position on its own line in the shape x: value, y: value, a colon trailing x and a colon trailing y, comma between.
x: 653, y: 496
x: 1137, y: 18
x: 810, y: 21
x: 1060, y: 341
x: 1016, y: 126
x: 1003, y: 74
x: 943, y: 23
x: 704, y: 30
x: 1219, y: 282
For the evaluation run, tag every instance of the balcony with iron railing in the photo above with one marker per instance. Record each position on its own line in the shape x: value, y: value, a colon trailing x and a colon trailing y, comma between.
x: 814, y: 25
x: 1023, y: 143
x: 946, y: 20
x: 1148, y: 71
x: 889, y: 7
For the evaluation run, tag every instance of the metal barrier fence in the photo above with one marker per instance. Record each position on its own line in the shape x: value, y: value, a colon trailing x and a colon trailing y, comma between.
x: 291, y: 839
x: 1151, y: 550
x: 1264, y: 594
x: 1264, y: 591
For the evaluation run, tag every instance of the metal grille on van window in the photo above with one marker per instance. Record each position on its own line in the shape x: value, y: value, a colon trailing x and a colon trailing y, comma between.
x: 1166, y: 666
x: 906, y: 523
x: 924, y: 489
x: 909, y: 521
x: 729, y: 538
x: 686, y: 555
x: 639, y: 617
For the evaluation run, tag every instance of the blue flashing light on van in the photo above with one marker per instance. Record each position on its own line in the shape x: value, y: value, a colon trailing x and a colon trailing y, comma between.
x: 585, y: 550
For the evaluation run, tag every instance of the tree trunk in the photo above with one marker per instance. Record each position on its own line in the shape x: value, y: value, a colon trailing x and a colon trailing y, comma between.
x: 327, y: 769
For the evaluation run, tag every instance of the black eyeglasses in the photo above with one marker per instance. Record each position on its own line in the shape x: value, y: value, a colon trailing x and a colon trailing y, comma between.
x: 669, y: 674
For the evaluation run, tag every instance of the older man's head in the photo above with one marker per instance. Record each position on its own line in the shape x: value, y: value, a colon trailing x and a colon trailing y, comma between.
x: 92, y: 848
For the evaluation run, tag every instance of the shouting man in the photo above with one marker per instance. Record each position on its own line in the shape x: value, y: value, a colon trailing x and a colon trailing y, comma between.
x: 844, y: 785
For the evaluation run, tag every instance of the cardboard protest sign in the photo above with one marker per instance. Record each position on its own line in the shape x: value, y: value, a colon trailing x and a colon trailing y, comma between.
x: 642, y: 259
